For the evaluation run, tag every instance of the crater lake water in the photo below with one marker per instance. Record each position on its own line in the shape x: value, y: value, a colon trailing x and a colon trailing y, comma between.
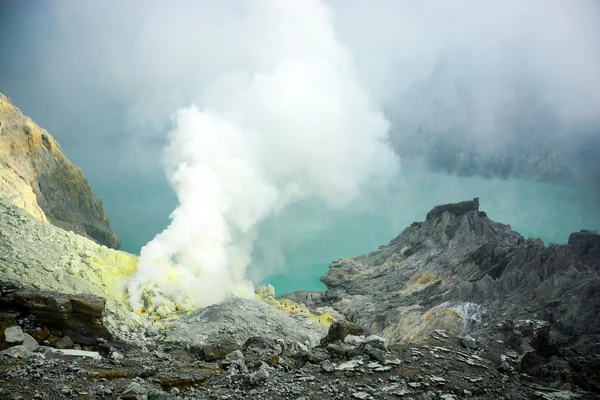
x: 295, y: 247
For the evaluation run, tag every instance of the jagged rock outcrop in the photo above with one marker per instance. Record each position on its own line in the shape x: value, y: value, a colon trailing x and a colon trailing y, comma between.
x: 460, y: 274
x: 460, y: 271
x: 35, y: 175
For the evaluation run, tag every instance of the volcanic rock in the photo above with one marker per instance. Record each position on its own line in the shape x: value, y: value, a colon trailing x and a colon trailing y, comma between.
x: 13, y: 335
x: 36, y: 176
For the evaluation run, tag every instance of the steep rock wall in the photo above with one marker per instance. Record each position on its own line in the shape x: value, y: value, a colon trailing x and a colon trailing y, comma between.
x: 35, y: 175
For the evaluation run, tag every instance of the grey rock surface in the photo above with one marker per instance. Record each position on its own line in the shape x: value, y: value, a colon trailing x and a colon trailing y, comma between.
x: 240, y: 319
x: 14, y: 334
x: 16, y: 351
x: 135, y: 391
x: 69, y: 354
x: 462, y: 272
x: 30, y: 343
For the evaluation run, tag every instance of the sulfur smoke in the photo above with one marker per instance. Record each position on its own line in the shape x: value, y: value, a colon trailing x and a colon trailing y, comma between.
x: 298, y: 124
x: 280, y: 113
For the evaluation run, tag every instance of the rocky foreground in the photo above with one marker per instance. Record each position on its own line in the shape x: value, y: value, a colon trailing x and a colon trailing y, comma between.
x: 457, y: 306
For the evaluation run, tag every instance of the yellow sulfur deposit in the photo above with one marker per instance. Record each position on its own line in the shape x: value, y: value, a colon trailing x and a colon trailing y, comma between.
x: 267, y: 295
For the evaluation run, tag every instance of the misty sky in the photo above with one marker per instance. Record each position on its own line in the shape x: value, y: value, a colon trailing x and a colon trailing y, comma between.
x: 106, y: 77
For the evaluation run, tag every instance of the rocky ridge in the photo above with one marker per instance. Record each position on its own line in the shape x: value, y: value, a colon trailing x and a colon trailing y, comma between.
x: 35, y: 175
x: 460, y: 272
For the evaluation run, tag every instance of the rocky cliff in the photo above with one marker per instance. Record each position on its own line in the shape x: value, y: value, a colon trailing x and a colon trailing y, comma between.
x: 35, y: 175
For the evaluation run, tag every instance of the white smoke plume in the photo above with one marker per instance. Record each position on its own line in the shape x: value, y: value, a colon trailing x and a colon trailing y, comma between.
x: 298, y: 124
x: 104, y: 77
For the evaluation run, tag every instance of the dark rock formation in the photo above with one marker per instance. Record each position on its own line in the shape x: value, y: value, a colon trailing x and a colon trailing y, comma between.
x: 77, y: 315
x: 586, y: 244
x: 35, y: 175
x: 339, y: 330
x: 460, y: 271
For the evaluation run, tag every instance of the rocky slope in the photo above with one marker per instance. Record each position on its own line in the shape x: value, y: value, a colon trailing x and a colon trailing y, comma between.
x: 461, y: 307
x: 35, y: 175
x: 459, y: 270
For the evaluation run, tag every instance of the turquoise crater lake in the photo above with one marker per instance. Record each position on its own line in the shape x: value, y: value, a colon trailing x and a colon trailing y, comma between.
x: 296, y: 246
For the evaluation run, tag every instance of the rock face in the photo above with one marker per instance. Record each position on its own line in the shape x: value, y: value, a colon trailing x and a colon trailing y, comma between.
x: 80, y: 316
x: 35, y: 175
x: 462, y: 272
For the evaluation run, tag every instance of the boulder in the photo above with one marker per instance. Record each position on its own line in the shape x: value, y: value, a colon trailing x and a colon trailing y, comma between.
x: 219, y: 350
x: 30, y: 343
x: 80, y: 316
x: 64, y: 343
x: 69, y: 354
x: 377, y: 342
x: 468, y: 342
x: 135, y: 391
x: 339, y: 330
x: 16, y: 351
x: 14, y: 335
x: 236, y: 320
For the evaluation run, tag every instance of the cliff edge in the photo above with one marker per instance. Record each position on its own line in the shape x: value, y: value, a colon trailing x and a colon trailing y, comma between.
x: 35, y: 175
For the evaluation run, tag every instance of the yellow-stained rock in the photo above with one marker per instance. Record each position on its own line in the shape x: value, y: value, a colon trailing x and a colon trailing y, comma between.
x: 36, y: 176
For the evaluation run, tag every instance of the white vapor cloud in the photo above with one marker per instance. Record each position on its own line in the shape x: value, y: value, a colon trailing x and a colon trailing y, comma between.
x: 261, y: 103
x: 298, y: 124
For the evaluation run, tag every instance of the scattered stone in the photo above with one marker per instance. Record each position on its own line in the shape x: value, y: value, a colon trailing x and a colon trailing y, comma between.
x: 64, y: 343
x: 181, y: 356
x: 469, y: 342
x: 13, y: 335
x: 317, y: 355
x: 336, y: 350
x: 339, y: 330
x: 135, y: 391
x: 30, y: 343
x: 218, y: 351
x: 116, y: 356
x: 16, y: 351
x: 234, y: 356
x: 327, y: 366
x: 353, y: 340
x: 349, y: 365
x: 67, y: 354
x: 259, y: 376
x: 375, y: 354
x: 437, y: 379
x: 41, y: 334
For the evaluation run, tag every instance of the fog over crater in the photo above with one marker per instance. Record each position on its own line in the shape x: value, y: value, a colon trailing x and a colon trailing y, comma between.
x: 249, y: 108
